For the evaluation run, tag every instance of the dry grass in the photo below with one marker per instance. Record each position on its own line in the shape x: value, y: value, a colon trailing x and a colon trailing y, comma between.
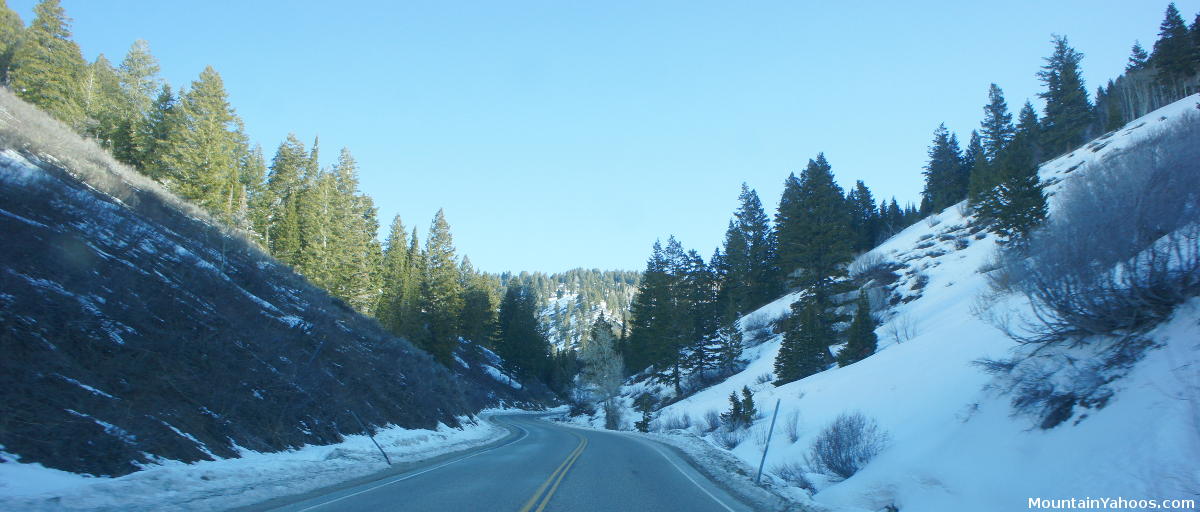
x: 26, y: 129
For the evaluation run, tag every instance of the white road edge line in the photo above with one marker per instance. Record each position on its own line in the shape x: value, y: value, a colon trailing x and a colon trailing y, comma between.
x: 689, y: 477
x: 524, y: 434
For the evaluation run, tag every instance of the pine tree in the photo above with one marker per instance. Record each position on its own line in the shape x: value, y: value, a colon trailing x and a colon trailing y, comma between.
x: 945, y: 179
x: 284, y: 186
x: 1172, y: 57
x: 1195, y: 34
x: 1017, y: 204
x: 996, y: 130
x: 1028, y: 125
x: 254, y: 174
x: 749, y: 255
x: 749, y: 411
x: 480, y: 302
x: 1109, y: 112
x: 155, y: 132
x: 892, y: 217
x: 356, y: 255
x: 734, y: 417
x: 983, y: 173
x: 675, y: 323
x: 1017, y: 207
x: 645, y: 405
x: 47, y: 67
x: 203, y: 155
x: 11, y: 31
x: 441, y: 291
x: 700, y: 320
x: 103, y: 102
x: 805, y: 347
x: 864, y: 219
x: 522, y: 344
x: 1137, y: 58
x: 316, y: 208
x: 648, y: 322
x: 728, y: 346
x: 1068, y: 112
x: 139, y: 82
x: 813, y: 229
x: 393, y: 273
x: 860, y: 336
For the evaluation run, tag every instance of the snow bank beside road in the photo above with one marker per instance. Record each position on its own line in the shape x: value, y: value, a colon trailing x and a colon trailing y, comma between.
x: 227, y: 483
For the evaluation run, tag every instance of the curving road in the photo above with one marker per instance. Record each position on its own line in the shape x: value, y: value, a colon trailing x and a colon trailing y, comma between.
x: 543, y: 467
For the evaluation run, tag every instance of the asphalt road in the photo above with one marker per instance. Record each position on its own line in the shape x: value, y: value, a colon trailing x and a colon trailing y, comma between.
x: 544, y: 467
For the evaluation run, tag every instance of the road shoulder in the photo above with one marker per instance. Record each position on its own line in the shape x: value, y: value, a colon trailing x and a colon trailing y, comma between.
x: 397, y: 469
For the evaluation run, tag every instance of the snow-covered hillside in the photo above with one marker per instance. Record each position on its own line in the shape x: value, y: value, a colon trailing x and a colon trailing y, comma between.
x: 952, y: 444
x: 568, y: 316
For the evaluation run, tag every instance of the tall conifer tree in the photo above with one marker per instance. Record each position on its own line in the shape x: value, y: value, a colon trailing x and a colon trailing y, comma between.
x: 47, y: 67
x: 522, y: 343
x: 1173, y: 57
x: 11, y: 29
x: 749, y: 256
x: 864, y: 218
x: 805, y: 347
x: 813, y: 229
x: 996, y: 130
x: 1068, y: 111
x: 203, y: 156
x: 441, y: 291
x: 284, y: 186
x: 139, y: 82
x: 860, y: 336
x: 945, y: 177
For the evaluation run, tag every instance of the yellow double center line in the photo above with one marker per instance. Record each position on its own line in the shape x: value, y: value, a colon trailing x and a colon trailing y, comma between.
x: 556, y: 477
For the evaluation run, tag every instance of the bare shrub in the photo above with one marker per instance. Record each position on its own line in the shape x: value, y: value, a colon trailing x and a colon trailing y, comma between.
x: 760, y: 432
x: 901, y: 329
x: 682, y: 422
x: 759, y: 328
x: 1122, y: 248
x: 729, y: 438
x: 920, y: 282
x: 866, y: 264
x: 764, y: 378
x: 846, y: 445
x: 791, y: 426
x: 794, y: 473
x: 1119, y: 253
x: 712, y: 420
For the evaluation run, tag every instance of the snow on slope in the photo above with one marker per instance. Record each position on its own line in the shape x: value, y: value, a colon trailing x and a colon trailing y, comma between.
x: 954, y: 445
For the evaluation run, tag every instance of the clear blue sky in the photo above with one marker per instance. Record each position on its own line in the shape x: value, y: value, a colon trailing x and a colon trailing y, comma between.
x: 565, y: 134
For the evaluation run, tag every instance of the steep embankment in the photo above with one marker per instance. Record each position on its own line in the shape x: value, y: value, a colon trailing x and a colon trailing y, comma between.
x: 953, y: 443
x: 135, y: 329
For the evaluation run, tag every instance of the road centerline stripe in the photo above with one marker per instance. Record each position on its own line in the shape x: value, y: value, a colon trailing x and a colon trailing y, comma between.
x: 557, y: 473
x: 550, y: 493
